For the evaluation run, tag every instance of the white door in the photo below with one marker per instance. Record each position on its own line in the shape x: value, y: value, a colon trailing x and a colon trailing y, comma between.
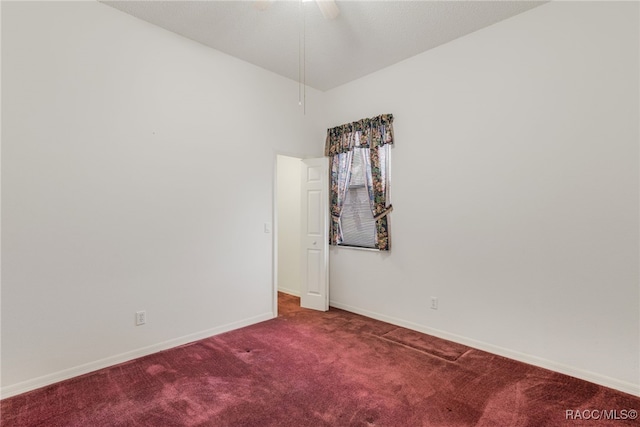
x: 314, y: 219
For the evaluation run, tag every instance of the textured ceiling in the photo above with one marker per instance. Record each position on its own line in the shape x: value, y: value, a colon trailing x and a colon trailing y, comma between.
x: 366, y: 37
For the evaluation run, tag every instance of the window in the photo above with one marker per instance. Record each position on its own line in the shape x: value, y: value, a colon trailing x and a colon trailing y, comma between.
x: 357, y: 222
x: 360, y: 202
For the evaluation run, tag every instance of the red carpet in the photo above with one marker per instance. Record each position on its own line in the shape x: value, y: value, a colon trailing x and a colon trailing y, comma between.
x: 308, y: 368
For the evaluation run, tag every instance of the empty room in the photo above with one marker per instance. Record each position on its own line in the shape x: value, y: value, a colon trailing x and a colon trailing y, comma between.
x: 320, y: 213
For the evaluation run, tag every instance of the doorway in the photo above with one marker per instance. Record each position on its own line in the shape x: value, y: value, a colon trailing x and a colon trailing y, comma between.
x: 288, y: 246
x: 301, y: 227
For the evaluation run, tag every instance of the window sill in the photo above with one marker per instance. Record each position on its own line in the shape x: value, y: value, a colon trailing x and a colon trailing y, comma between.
x: 357, y: 248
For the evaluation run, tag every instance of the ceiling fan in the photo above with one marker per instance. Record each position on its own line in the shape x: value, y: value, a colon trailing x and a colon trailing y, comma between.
x: 328, y: 8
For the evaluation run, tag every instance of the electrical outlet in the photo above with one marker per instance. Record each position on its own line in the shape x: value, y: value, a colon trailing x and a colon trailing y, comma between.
x: 141, y: 318
x: 434, y: 303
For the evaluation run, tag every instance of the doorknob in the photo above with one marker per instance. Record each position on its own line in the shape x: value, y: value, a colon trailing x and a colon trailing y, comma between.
x: 315, y: 243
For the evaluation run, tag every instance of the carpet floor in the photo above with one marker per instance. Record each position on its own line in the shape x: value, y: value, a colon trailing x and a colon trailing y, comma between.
x: 307, y: 368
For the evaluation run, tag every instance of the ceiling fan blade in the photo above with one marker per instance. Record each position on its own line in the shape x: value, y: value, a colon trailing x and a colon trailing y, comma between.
x: 328, y: 8
x: 262, y: 4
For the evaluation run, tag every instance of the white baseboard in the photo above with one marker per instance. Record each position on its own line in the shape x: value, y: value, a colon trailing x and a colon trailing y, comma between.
x: 289, y: 291
x: 593, y: 377
x: 45, y: 380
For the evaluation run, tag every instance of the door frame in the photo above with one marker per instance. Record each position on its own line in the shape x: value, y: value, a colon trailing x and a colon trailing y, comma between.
x: 274, y: 228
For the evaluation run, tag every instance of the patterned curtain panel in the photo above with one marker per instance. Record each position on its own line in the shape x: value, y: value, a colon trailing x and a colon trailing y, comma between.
x: 375, y: 134
x: 377, y: 185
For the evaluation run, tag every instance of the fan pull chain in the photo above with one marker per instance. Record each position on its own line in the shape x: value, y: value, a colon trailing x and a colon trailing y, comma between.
x: 302, y: 60
x: 300, y: 53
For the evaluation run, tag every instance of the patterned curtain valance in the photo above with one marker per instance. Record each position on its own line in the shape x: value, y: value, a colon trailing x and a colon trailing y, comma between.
x: 373, y: 133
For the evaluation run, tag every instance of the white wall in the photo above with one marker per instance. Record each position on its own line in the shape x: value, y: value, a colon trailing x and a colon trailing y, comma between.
x: 289, y: 238
x: 137, y: 174
x: 515, y: 187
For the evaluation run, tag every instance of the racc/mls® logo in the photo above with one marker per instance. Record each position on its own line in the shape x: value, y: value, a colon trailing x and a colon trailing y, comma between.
x: 601, y: 414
